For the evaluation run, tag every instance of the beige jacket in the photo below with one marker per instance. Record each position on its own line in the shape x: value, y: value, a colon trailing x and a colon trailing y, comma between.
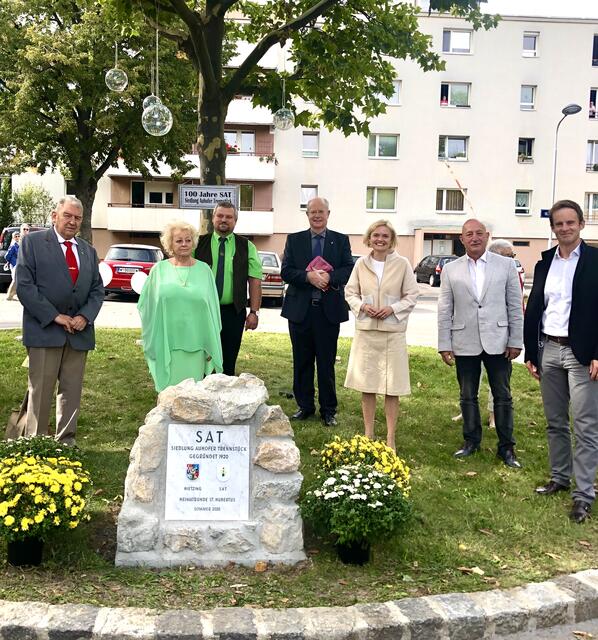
x: 398, y: 289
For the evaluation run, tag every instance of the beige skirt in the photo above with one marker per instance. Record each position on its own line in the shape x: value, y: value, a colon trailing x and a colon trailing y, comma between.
x: 378, y: 363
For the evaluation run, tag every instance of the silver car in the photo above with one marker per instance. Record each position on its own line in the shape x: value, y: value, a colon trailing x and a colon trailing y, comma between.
x: 272, y: 284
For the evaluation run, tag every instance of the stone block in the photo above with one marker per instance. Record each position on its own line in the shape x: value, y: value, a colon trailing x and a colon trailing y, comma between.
x: 464, y: 619
x: 237, y: 399
x: 71, y: 622
x: 546, y: 603
x: 277, y: 456
x: 237, y: 541
x: 281, y: 489
x: 20, y: 620
x: 584, y: 592
x: 140, y: 487
x: 180, y: 625
x: 276, y: 423
x: 332, y: 623
x: 503, y: 614
x: 137, y: 531
x: 177, y: 539
x: 193, y: 408
x: 120, y: 624
x: 152, y: 447
x: 425, y: 623
x: 233, y: 624
x: 380, y: 621
x: 279, y: 624
x: 282, y: 529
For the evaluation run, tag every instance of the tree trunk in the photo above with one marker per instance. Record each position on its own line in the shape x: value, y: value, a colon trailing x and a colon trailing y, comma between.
x: 211, y: 146
x: 85, y: 189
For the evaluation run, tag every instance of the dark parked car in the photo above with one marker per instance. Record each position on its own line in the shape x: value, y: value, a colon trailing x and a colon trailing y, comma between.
x: 5, y: 240
x: 429, y: 269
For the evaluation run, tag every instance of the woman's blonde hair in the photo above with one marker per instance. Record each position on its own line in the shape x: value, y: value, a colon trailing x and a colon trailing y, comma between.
x: 380, y: 223
x: 177, y: 225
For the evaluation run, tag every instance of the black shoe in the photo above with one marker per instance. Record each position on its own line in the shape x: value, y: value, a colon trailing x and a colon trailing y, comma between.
x: 466, y: 450
x: 510, y: 459
x: 302, y: 414
x: 550, y: 488
x: 330, y: 420
x: 581, y: 511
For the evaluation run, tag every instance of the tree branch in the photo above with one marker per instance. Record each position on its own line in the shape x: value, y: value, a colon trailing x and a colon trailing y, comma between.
x: 110, y: 158
x: 202, y: 53
x: 223, y: 6
x: 278, y: 35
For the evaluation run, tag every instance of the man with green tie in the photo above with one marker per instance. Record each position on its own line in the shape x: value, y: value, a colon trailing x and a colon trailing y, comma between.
x: 236, y: 265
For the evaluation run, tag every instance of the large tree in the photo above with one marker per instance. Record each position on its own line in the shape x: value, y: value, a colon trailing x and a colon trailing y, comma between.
x: 55, y: 108
x: 339, y: 53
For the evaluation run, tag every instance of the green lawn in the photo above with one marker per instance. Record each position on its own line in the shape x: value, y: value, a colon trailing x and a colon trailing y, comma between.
x: 473, y: 513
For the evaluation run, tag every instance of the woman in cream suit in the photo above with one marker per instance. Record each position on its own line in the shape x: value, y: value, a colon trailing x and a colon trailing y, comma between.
x: 381, y: 293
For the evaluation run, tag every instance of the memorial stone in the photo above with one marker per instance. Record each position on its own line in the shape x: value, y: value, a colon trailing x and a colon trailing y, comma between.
x: 213, y: 478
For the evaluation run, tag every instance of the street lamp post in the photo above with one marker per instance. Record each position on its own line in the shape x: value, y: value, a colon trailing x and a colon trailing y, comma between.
x: 569, y: 110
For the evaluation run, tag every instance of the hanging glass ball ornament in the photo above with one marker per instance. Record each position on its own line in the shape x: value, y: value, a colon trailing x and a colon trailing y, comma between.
x: 116, y: 79
x: 284, y: 119
x: 157, y: 120
x: 150, y: 101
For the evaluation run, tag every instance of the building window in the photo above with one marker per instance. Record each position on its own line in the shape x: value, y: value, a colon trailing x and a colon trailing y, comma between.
x: 456, y: 41
x: 311, y: 144
x: 395, y: 98
x: 591, y: 209
x: 449, y: 201
x: 523, y: 203
x: 240, y: 142
x: 592, y: 156
x: 452, y: 148
x: 168, y: 199
x: 381, y: 199
x: 595, y: 52
x: 530, y: 44
x: 383, y: 146
x: 527, y: 101
x: 525, y: 151
x: 246, y: 197
x: 308, y: 191
x: 454, y: 94
x: 592, y: 108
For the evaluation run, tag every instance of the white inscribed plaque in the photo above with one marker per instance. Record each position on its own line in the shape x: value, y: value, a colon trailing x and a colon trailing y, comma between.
x: 207, y: 472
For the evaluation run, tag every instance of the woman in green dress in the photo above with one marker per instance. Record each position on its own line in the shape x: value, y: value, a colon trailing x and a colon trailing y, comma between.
x: 180, y: 313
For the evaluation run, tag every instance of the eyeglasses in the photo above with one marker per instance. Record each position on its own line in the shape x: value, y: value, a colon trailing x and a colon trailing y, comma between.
x: 26, y: 229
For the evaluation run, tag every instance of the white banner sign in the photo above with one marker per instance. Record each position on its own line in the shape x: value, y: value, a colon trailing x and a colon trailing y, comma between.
x: 196, y: 196
x: 207, y: 472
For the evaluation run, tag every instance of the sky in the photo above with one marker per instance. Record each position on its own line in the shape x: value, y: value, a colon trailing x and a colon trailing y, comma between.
x: 552, y: 8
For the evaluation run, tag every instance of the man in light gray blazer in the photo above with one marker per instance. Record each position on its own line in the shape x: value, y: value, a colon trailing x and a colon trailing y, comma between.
x: 60, y: 288
x: 480, y: 319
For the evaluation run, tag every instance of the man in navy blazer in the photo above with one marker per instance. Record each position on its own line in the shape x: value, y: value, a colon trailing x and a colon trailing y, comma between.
x: 315, y: 306
x: 561, y: 351
x: 59, y: 286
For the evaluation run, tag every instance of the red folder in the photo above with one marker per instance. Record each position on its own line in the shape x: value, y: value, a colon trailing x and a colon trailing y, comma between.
x: 319, y: 264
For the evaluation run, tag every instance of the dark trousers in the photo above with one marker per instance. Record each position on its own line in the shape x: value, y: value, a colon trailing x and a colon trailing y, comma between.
x: 498, y: 369
x: 314, y: 342
x: 233, y: 323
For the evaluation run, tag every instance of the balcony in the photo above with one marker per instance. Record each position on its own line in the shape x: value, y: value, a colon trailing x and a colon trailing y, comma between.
x: 124, y: 217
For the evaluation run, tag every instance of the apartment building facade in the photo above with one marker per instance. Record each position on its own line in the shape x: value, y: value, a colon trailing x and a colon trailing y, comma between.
x: 476, y: 139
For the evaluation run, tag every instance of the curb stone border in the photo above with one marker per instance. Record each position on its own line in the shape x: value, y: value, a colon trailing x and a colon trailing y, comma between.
x: 484, y: 615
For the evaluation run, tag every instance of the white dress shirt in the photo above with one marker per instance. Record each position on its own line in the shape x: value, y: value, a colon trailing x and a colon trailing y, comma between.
x: 73, y: 246
x: 477, y: 271
x: 557, y: 293
x: 378, y: 268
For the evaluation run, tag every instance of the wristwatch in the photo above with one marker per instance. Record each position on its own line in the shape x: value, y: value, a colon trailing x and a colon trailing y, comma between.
x: 255, y: 313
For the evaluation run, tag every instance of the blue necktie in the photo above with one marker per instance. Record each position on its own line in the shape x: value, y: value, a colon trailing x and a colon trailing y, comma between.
x: 318, y: 246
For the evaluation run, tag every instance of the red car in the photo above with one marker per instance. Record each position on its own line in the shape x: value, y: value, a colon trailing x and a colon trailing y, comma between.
x: 126, y: 259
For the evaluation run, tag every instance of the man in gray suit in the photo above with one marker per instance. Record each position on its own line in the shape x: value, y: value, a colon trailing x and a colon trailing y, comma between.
x: 59, y: 286
x: 480, y: 319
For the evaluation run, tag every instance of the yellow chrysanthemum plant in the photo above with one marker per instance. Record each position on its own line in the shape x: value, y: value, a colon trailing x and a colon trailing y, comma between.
x: 361, y: 450
x: 43, y: 486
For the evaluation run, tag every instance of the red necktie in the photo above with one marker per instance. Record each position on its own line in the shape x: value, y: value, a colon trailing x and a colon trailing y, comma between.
x: 71, y: 261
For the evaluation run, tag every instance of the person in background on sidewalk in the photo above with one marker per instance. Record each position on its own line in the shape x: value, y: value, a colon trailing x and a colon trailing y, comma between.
x: 315, y: 306
x: 480, y: 320
x: 11, y: 259
x: 561, y: 351
x: 60, y: 288
x: 236, y: 267
x: 381, y: 293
